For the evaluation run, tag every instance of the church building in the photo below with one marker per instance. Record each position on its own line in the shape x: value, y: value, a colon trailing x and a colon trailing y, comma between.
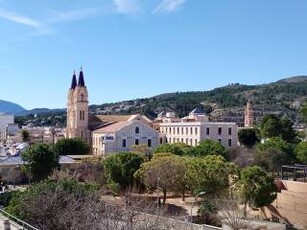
x: 77, y: 109
x: 107, y: 134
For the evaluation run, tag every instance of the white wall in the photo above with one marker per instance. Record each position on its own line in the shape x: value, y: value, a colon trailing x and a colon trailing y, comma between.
x: 192, y: 132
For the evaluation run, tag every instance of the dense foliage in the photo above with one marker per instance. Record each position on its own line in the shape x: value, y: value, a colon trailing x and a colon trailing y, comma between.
x: 204, y: 148
x: 210, y: 174
x: 120, y: 168
x: 301, y: 152
x: 273, y: 126
x: 41, y: 160
x: 71, y: 146
x: 273, y: 153
x: 165, y: 172
x: 258, y: 188
x: 248, y: 137
x: 53, y: 204
x: 209, y: 147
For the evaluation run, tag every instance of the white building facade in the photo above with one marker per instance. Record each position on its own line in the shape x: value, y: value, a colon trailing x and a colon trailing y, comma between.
x: 120, y: 136
x: 195, y: 128
x: 5, y: 120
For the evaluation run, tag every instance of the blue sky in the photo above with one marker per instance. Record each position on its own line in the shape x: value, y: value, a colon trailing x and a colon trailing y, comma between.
x: 139, y: 48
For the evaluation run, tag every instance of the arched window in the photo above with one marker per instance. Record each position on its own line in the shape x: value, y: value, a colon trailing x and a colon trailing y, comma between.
x: 137, y: 130
x: 82, y: 97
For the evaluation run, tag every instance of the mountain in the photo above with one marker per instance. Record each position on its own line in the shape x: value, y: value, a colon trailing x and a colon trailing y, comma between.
x: 224, y: 103
x: 10, y: 107
x: 40, y: 111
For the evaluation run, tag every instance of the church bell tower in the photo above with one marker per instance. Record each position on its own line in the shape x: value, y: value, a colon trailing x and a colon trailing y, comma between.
x: 77, y: 109
x: 249, y: 115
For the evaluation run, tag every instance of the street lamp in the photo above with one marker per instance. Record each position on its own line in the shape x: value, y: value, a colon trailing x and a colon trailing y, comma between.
x: 199, y: 194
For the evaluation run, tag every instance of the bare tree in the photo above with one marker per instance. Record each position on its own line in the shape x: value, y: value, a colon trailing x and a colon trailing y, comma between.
x: 60, y: 208
x: 230, y: 212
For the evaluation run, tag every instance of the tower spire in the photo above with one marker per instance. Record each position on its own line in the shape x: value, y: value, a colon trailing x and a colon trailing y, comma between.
x: 74, y: 81
x: 81, y: 79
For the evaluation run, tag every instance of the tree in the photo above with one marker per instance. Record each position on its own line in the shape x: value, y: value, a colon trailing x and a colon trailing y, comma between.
x: 270, y: 126
x: 67, y: 204
x: 40, y: 161
x: 301, y: 152
x: 209, y: 147
x: 210, y: 174
x: 248, y: 137
x: 165, y: 173
x: 288, y: 133
x: 71, y: 146
x: 120, y: 168
x: 175, y: 148
x: 55, y: 204
x: 303, y: 116
x: 273, y: 126
x: 273, y: 153
x: 25, y: 135
x: 257, y: 187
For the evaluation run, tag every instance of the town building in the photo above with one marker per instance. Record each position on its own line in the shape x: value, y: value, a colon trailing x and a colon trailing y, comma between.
x: 195, y: 128
x: 106, y: 134
x: 121, y: 136
x: 5, y: 120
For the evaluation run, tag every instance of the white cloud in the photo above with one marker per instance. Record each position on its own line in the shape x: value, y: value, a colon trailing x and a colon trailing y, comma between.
x: 23, y: 20
x: 127, y: 6
x: 72, y: 15
x: 45, y: 24
x: 168, y: 6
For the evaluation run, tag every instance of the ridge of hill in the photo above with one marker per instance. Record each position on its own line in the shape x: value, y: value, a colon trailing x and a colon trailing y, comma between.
x: 10, y: 107
x: 226, y: 103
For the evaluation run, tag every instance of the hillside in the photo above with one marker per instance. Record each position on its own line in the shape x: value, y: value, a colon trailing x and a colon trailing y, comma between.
x: 224, y: 104
x: 10, y: 107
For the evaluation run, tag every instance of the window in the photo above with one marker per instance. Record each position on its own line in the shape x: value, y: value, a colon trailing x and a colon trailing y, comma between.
x: 82, y: 97
x: 195, y: 130
x: 195, y: 142
x: 137, y: 130
x: 124, y: 143
x: 229, y: 131
x: 220, y: 130
x: 174, y: 131
x: 170, y: 130
x: 181, y: 130
x: 181, y: 140
x: 177, y: 130
x: 220, y: 140
x: 82, y: 115
x: 207, y: 131
x: 149, y: 142
x: 186, y: 130
x: 191, y: 131
x: 136, y: 142
x: 229, y: 142
x: 161, y: 140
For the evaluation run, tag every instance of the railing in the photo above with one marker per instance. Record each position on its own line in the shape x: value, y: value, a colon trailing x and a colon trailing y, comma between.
x: 22, y: 224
